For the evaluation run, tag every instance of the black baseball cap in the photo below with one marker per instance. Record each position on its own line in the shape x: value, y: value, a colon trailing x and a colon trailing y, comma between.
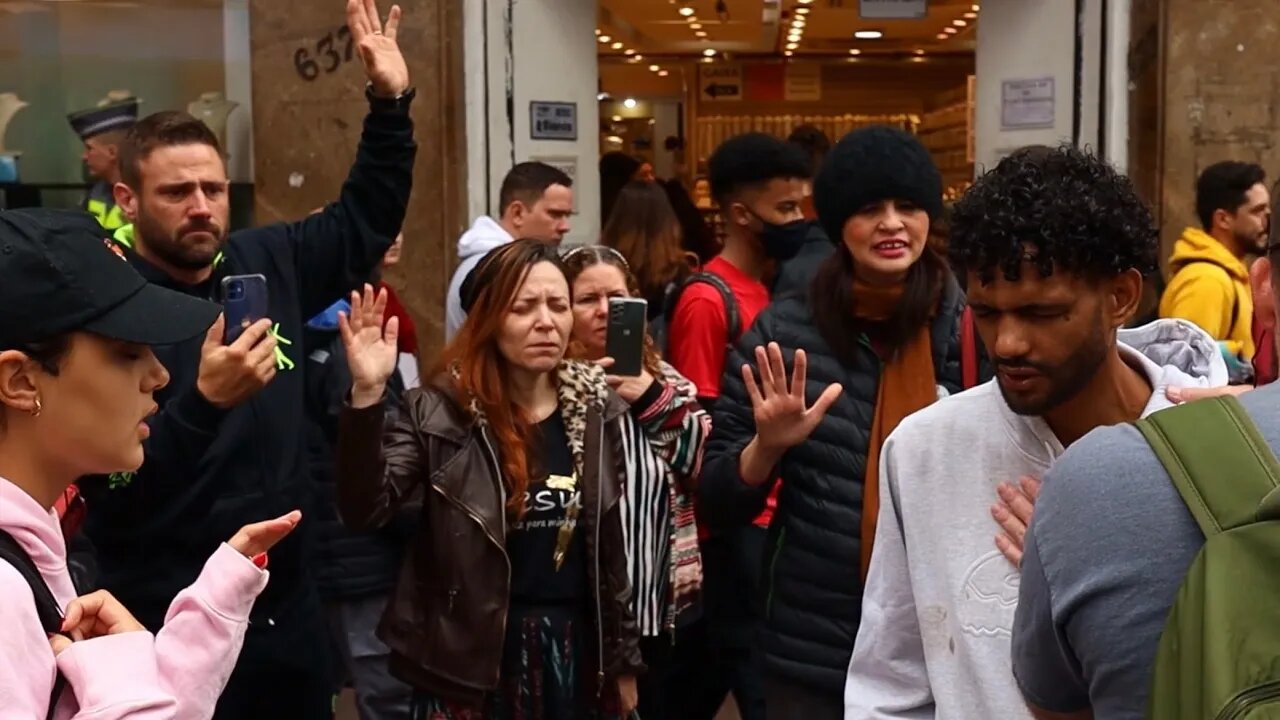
x: 59, y: 273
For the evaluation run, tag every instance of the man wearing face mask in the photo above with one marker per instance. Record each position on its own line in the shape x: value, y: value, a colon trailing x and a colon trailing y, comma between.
x: 758, y: 182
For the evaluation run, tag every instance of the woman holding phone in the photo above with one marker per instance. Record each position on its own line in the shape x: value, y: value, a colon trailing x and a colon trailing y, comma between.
x: 514, y: 599
x: 77, y: 376
x: 665, y: 563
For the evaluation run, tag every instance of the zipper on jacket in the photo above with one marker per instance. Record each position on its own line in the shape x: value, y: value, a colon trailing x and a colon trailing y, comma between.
x: 599, y: 577
x: 1250, y: 699
x: 773, y: 568
x: 502, y: 495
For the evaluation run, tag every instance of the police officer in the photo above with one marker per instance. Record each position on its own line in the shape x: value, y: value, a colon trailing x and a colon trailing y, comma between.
x: 101, y: 129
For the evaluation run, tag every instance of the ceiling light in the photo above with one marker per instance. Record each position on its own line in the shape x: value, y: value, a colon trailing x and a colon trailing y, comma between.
x: 603, y: 96
x: 788, y: 53
x: 617, y: 118
x: 959, y: 23
x: 802, y: 11
x: 950, y: 30
x: 686, y: 11
x: 663, y: 73
x: 943, y: 36
x: 971, y: 15
x: 868, y: 34
x: 917, y: 59
x: 919, y: 51
x: 695, y: 26
x: 691, y: 19
x: 855, y: 51
x: 597, y: 32
x: 805, y: 2
x: 794, y: 37
x: 637, y: 57
x: 654, y: 68
x: 629, y: 51
x: 605, y: 38
x: 616, y: 46
x: 792, y: 45
x: 709, y: 52
x: 976, y: 7
x: 708, y: 59
x: 701, y: 33
x: 629, y: 103
x: 798, y: 22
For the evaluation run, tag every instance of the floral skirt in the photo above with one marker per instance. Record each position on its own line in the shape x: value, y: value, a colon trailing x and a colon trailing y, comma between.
x: 547, y: 673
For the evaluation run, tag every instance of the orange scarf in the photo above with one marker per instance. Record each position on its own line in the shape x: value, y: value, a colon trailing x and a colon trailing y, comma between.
x: 906, y: 385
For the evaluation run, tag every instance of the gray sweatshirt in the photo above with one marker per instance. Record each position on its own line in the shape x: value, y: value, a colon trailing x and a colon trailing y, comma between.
x: 939, y: 602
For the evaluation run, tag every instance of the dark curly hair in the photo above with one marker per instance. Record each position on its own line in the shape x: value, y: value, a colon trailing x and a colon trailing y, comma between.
x: 753, y: 159
x: 1076, y: 212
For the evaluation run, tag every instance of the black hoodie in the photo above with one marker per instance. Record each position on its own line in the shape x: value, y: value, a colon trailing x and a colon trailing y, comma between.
x: 207, y: 471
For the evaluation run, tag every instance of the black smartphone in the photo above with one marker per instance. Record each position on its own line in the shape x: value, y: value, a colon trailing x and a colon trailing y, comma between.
x: 244, y: 302
x: 625, y: 340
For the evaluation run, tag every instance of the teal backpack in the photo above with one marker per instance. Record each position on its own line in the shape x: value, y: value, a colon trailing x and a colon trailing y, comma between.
x: 1219, y: 654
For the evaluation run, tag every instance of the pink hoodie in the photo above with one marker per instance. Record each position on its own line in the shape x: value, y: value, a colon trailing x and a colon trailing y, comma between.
x: 176, y: 674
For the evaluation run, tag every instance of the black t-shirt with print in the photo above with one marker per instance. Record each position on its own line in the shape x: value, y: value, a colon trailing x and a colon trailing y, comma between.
x: 531, y: 543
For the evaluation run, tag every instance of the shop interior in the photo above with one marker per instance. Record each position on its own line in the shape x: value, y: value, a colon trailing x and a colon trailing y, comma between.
x: 679, y: 76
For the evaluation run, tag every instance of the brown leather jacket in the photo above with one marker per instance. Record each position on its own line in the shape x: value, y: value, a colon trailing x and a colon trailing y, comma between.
x: 446, y: 620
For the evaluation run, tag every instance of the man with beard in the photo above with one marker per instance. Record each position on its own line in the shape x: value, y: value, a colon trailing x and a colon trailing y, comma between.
x: 228, y: 445
x: 1210, y: 282
x: 1054, y: 244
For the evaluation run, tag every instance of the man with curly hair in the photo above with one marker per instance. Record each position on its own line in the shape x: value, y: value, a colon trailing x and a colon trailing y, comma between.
x: 1053, y: 243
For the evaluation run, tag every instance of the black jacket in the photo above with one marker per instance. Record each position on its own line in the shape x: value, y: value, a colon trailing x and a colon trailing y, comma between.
x: 812, y: 586
x: 207, y: 471
x: 795, y: 275
x: 347, y: 564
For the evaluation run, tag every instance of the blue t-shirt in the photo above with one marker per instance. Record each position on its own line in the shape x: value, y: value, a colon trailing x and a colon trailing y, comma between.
x: 1109, y: 545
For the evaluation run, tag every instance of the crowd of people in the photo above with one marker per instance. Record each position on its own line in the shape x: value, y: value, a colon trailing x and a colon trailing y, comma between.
x: 866, y: 469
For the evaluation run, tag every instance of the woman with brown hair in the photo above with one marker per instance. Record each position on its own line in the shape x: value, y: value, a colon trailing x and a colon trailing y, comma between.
x: 646, y: 231
x: 664, y: 454
x: 514, y: 598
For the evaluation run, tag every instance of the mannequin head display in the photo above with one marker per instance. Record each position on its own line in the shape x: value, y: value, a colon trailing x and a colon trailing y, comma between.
x: 10, y: 104
x: 213, y: 109
x: 102, y: 129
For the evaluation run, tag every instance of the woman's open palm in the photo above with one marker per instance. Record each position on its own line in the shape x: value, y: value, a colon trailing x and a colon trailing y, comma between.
x: 372, y: 349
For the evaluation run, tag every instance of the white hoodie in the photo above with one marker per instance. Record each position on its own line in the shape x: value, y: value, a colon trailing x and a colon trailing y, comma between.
x: 934, y: 641
x: 485, y: 234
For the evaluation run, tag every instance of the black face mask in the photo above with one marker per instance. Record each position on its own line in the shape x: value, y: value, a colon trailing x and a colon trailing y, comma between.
x: 782, y: 242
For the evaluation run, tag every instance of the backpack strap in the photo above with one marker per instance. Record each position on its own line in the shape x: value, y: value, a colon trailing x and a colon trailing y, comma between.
x: 1218, y: 460
x: 732, y: 316
x: 968, y: 350
x: 47, y: 608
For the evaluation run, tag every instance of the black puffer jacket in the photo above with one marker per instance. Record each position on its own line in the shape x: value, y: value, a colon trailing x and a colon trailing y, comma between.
x: 812, y: 586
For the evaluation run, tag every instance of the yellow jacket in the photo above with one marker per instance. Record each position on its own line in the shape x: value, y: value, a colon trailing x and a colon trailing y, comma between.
x: 1210, y: 287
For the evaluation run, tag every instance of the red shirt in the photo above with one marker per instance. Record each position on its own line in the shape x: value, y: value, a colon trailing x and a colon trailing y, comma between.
x: 699, y: 335
x: 408, y: 340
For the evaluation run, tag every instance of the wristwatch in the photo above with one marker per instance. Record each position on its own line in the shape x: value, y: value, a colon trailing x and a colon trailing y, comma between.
x: 398, y: 103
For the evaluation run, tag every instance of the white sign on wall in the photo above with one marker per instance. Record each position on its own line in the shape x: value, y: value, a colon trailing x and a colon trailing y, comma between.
x: 1027, y: 104
x: 720, y: 82
x: 894, y: 9
x: 802, y: 83
x: 553, y: 121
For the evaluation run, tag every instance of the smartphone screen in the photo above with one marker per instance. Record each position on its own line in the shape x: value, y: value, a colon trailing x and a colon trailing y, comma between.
x: 244, y: 302
x: 625, y: 340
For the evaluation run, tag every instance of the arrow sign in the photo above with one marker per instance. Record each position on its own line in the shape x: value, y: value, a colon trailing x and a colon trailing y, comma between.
x: 716, y: 90
x: 720, y: 81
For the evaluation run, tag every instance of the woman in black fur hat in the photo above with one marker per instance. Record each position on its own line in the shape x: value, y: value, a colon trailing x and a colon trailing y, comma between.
x: 877, y: 339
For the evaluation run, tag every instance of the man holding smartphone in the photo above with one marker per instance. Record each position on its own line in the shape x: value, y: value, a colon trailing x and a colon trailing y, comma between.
x: 229, y: 444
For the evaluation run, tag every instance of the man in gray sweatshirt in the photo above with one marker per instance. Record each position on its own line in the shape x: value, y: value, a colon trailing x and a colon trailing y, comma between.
x: 1054, y: 243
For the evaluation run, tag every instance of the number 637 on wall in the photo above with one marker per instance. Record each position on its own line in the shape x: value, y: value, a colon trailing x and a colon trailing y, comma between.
x: 327, y: 55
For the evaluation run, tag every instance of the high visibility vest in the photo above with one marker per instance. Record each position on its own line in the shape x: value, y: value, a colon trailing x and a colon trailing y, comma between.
x: 102, y: 205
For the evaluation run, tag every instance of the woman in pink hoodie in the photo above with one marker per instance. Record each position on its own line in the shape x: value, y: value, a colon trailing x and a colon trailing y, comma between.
x: 76, y: 381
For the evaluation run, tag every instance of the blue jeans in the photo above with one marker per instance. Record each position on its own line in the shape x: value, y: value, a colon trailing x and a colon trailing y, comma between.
x: 352, y: 623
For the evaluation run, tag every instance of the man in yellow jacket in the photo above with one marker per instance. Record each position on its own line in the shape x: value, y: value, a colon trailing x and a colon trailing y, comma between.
x: 1210, y: 283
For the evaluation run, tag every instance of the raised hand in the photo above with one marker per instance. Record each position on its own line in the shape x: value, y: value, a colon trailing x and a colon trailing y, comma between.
x: 383, y: 62
x: 372, y: 351
x: 783, y: 418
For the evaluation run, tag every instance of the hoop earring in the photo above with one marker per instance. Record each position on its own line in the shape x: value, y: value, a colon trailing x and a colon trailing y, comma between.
x: 38, y: 408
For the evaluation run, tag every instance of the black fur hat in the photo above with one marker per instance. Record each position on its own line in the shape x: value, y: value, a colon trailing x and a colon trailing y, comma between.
x: 871, y: 164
